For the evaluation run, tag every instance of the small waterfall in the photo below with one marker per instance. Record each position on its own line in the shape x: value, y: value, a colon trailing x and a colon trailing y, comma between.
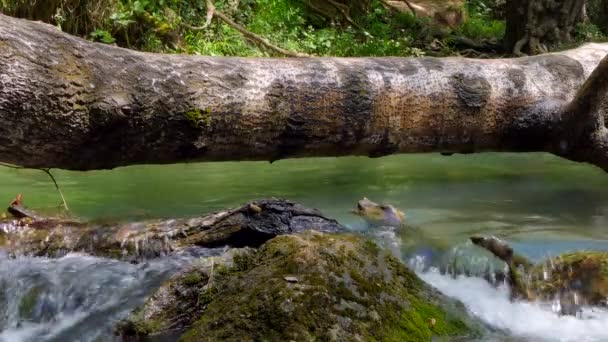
x: 77, y: 297
x: 520, y: 321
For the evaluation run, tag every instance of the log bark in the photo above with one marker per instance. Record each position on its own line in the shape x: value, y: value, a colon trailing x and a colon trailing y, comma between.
x: 247, y: 226
x: 69, y: 103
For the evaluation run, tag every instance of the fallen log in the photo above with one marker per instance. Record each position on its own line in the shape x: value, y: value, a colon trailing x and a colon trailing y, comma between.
x: 247, y: 226
x: 73, y: 104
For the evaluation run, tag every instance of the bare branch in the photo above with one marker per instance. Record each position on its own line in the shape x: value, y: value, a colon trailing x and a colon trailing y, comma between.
x: 48, y: 172
x: 410, y: 7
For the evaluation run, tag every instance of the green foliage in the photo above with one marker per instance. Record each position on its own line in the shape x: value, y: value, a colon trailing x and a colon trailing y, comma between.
x: 589, y: 32
x: 292, y: 26
x: 480, y: 23
x: 102, y: 36
x: 74, y: 16
x: 478, y: 28
x: 176, y: 26
x: 597, y: 10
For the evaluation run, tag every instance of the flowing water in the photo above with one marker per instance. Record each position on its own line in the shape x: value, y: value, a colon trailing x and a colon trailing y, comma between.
x: 539, y: 203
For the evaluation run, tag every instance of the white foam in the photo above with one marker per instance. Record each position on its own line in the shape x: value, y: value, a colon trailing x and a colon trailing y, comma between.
x: 530, y: 321
x: 31, y: 331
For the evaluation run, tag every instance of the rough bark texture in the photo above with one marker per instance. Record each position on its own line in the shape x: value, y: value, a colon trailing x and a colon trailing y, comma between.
x: 69, y: 103
x: 248, y: 226
x: 533, y: 25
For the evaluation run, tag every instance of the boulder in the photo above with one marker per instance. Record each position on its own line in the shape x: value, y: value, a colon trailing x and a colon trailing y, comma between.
x: 304, y: 287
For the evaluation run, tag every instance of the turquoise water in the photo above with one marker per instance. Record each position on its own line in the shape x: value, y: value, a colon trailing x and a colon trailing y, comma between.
x: 541, y: 204
x: 516, y: 196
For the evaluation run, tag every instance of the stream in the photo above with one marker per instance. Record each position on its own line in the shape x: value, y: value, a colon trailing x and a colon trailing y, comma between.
x: 541, y: 204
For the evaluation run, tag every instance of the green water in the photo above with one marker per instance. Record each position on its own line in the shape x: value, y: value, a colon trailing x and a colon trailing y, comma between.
x: 517, y: 196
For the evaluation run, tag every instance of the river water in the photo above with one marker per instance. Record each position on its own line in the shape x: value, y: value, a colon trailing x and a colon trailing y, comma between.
x: 541, y: 204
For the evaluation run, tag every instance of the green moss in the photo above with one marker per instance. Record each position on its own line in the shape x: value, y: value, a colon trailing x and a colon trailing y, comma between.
x: 28, y: 302
x: 423, y: 322
x: 585, y: 270
x: 371, y: 247
x: 340, y: 278
x: 207, y: 296
x: 138, y: 325
x: 243, y: 260
x: 193, y: 279
x: 199, y: 118
x: 194, y: 116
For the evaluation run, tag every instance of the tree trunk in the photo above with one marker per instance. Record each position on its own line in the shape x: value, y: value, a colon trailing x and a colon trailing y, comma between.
x: 535, y: 25
x: 73, y: 104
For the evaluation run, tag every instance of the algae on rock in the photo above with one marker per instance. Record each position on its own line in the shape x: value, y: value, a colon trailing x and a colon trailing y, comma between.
x: 306, y: 287
x: 575, y: 278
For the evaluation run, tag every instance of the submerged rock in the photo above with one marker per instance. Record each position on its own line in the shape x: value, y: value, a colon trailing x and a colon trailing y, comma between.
x: 392, y: 231
x: 573, y: 279
x: 379, y: 214
x: 249, y: 225
x: 347, y: 289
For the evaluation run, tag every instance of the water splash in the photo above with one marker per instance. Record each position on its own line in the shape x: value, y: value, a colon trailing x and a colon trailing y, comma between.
x: 77, y: 297
x: 530, y: 322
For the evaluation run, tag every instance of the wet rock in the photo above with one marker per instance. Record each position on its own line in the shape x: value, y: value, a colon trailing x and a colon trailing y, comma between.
x: 291, y: 279
x: 573, y: 279
x: 176, y: 304
x: 379, y: 214
x: 247, y: 226
x: 347, y: 289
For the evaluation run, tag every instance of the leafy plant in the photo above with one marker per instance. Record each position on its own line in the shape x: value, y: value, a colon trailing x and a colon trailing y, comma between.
x: 102, y: 36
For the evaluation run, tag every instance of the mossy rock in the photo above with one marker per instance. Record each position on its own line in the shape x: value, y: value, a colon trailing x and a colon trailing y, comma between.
x: 28, y: 303
x: 576, y: 278
x: 315, y: 286
x: 3, y: 238
x: 584, y: 273
x: 174, y: 306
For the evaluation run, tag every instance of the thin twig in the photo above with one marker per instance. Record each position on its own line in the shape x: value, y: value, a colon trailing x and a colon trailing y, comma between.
x: 210, y: 281
x: 344, y: 10
x: 48, y: 172
x: 399, y: 9
x: 12, y: 166
x: 410, y: 7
